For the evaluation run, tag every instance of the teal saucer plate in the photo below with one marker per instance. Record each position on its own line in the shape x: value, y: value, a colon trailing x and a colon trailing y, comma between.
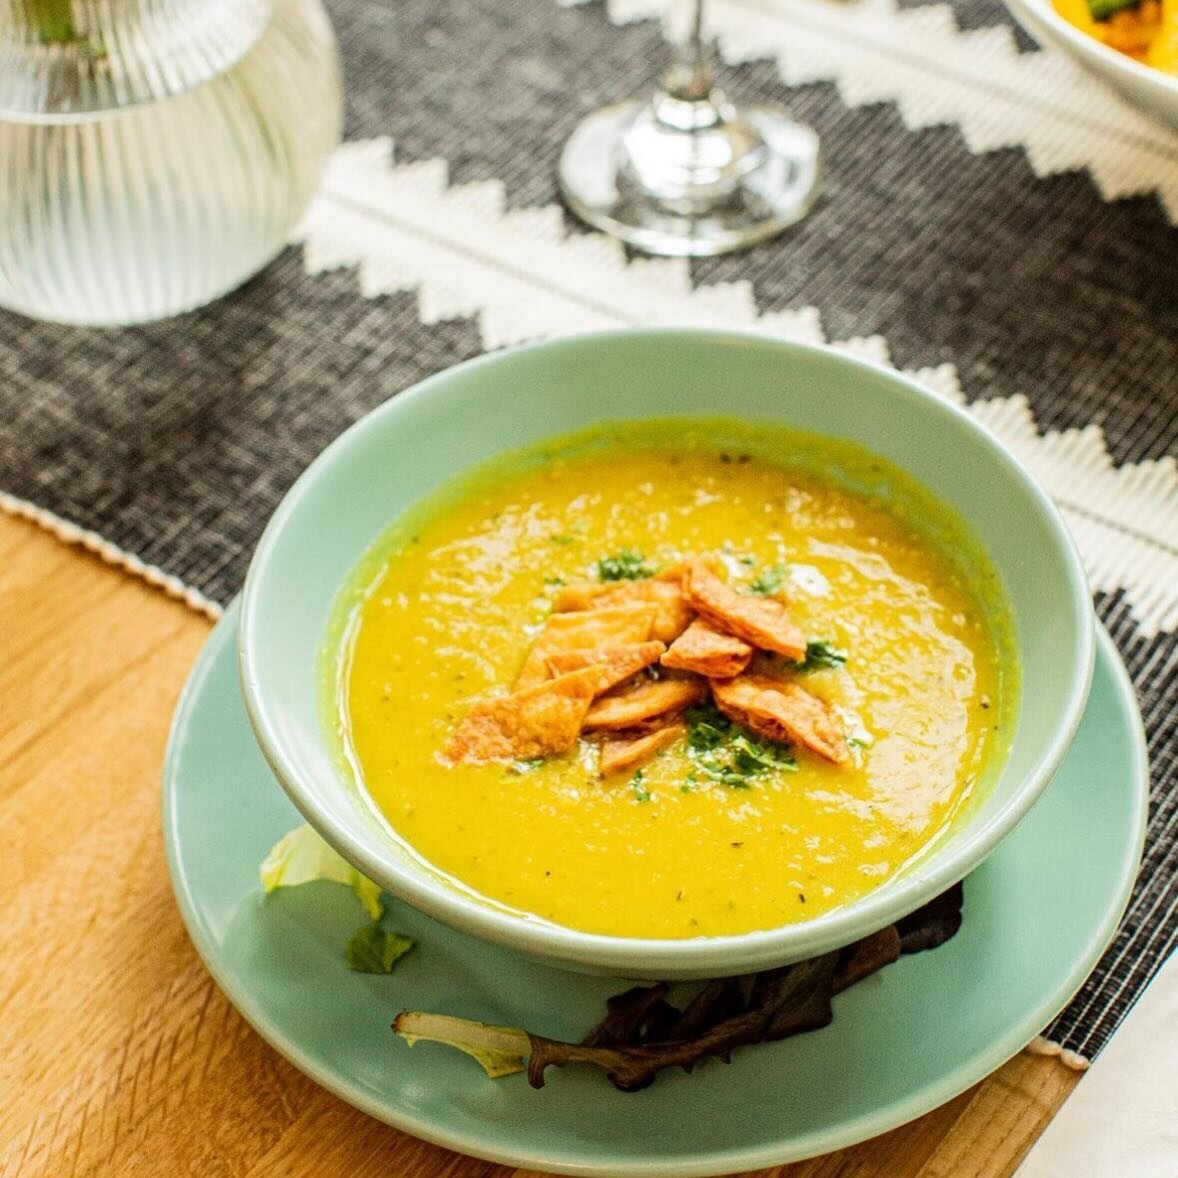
x: 1038, y: 914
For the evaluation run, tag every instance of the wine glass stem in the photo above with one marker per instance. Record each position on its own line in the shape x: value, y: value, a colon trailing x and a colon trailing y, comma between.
x: 689, y: 76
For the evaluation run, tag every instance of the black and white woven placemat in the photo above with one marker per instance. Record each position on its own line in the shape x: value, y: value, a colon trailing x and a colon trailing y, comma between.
x: 992, y: 221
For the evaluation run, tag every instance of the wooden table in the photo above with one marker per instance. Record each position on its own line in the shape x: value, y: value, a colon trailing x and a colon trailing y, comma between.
x: 118, y: 1055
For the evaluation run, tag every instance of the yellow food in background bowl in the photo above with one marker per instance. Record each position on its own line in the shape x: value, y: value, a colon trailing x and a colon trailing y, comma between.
x: 1146, y: 31
x: 1132, y: 48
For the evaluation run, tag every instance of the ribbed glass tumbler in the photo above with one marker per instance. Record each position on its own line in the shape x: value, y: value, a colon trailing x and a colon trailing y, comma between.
x: 155, y: 153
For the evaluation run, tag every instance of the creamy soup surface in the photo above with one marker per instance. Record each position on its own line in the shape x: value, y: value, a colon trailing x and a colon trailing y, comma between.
x: 444, y: 612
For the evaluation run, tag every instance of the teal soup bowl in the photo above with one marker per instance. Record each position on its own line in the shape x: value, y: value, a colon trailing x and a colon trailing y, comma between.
x: 428, y: 435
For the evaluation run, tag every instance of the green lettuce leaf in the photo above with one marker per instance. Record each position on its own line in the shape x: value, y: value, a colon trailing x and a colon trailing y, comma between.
x: 373, y: 949
x: 501, y: 1051
x: 301, y: 856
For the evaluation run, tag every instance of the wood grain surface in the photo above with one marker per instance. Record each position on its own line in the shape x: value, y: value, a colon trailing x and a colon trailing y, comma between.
x: 118, y: 1055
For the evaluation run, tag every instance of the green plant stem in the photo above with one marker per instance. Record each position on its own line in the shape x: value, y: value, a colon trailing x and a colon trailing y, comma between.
x: 53, y: 20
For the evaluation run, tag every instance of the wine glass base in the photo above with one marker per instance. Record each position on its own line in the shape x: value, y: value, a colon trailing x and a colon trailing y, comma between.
x: 768, y: 199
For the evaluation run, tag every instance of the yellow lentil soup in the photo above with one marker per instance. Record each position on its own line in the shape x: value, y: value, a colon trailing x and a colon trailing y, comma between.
x: 907, y: 653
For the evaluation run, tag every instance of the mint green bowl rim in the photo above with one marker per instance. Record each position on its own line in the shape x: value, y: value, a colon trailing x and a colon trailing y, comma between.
x: 650, y: 957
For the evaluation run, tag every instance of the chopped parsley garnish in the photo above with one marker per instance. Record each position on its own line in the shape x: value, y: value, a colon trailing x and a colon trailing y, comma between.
x: 724, y: 752
x: 626, y: 565
x: 859, y: 742
x: 769, y: 580
x: 821, y: 655
x: 638, y: 785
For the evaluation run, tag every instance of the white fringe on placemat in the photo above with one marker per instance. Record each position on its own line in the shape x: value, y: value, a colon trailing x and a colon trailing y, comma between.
x: 1072, y: 1059
x: 110, y: 553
